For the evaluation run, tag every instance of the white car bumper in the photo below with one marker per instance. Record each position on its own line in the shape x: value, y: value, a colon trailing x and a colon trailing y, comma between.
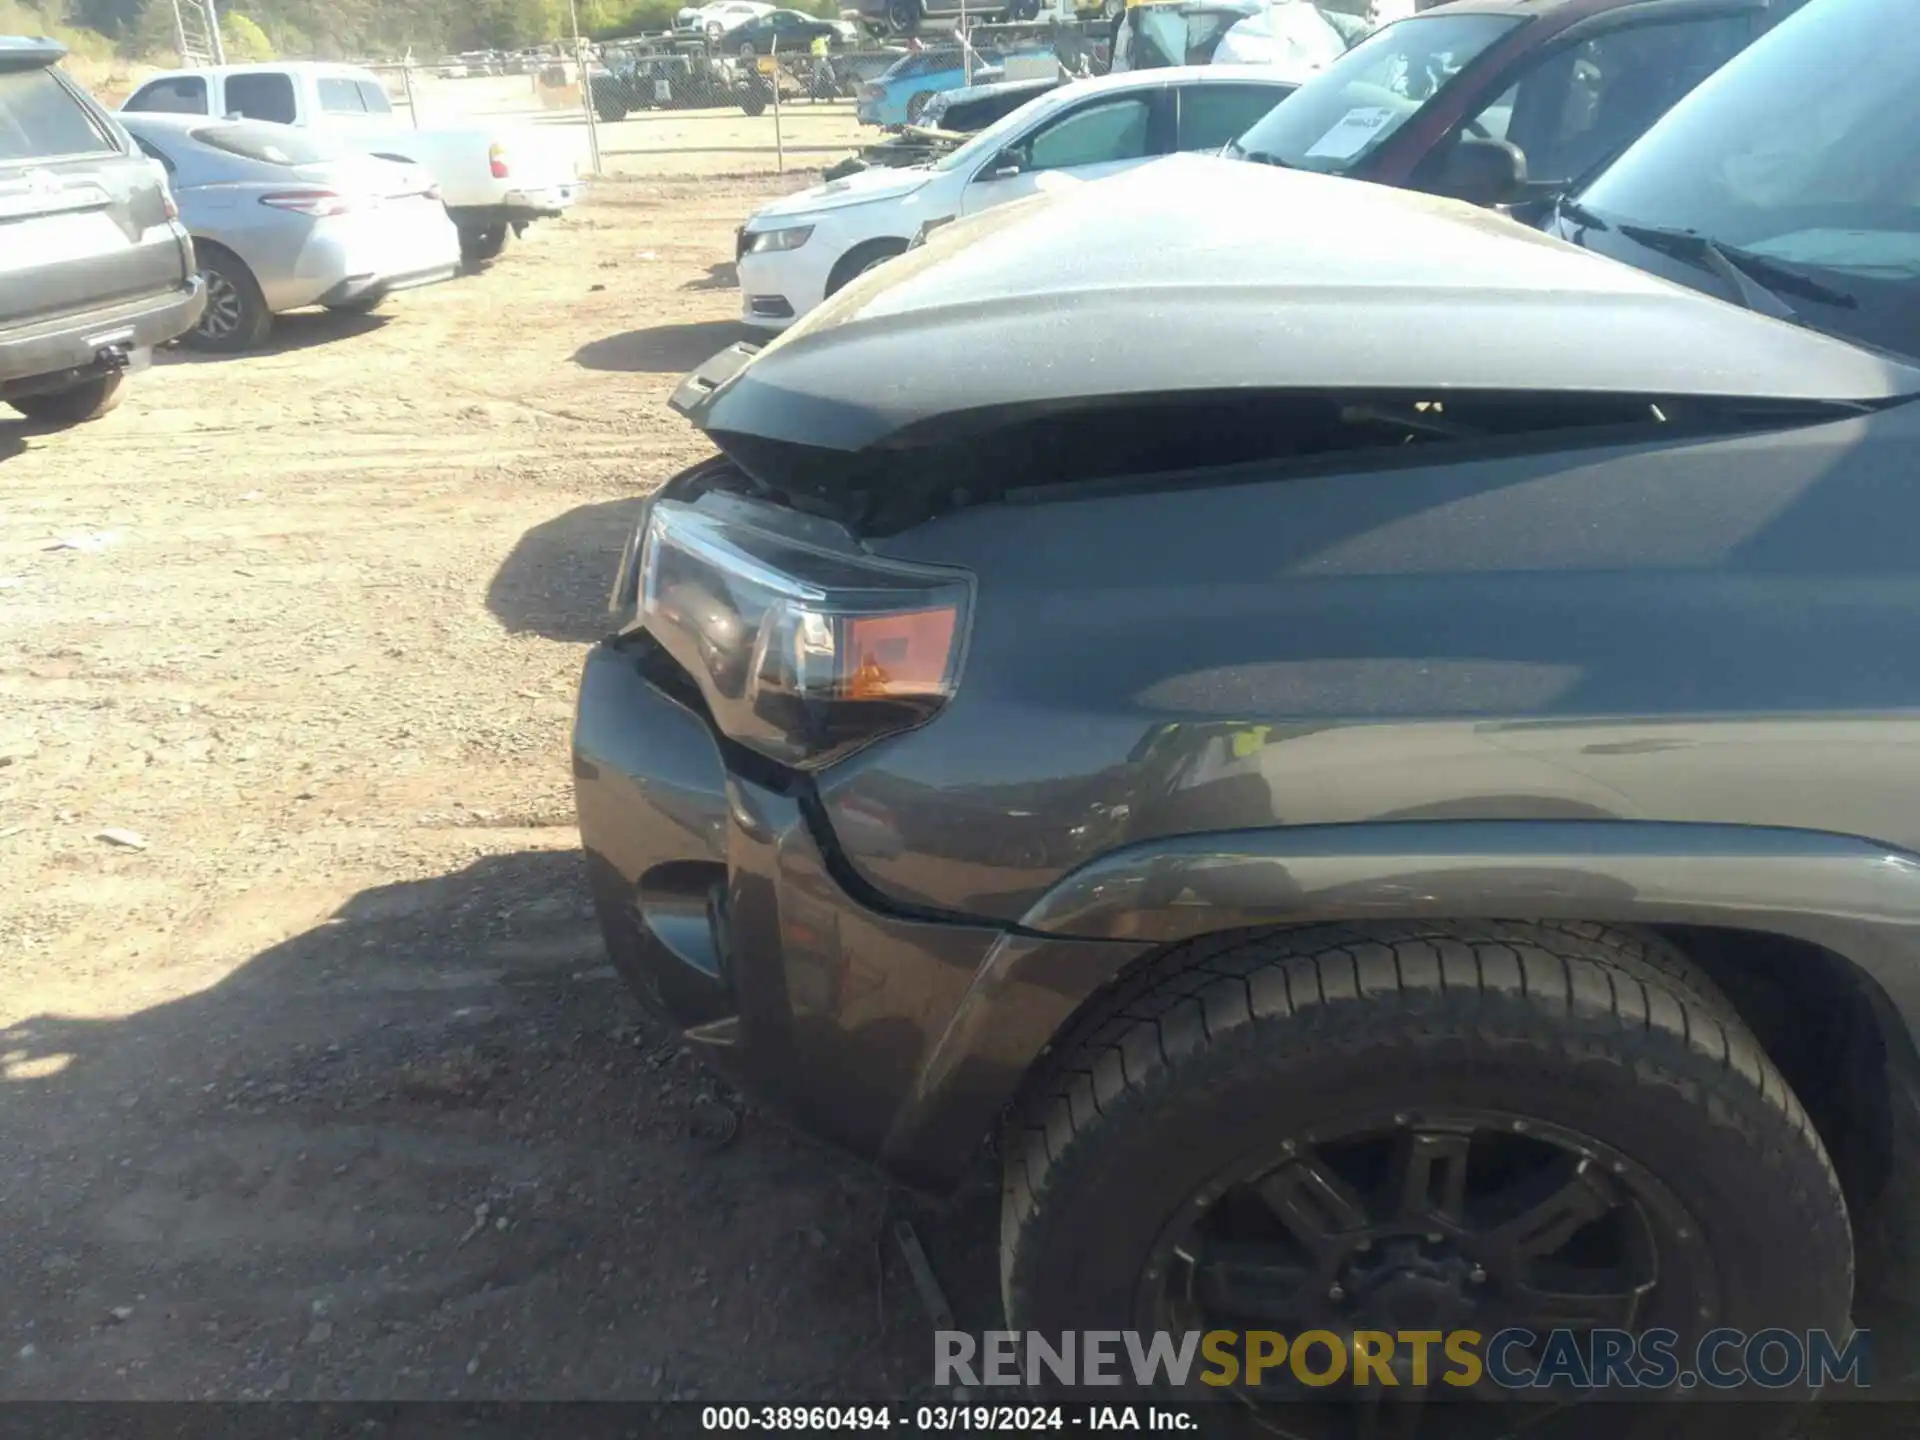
x: 544, y: 199
x: 779, y: 286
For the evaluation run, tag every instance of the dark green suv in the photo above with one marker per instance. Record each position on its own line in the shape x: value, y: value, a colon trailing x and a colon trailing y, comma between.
x: 95, y: 268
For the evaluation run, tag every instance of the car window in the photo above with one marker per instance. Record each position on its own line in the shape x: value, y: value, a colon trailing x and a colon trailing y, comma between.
x: 340, y: 97
x: 374, y: 97
x: 1211, y: 115
x: 1578, y: 106
x: 263, y: 96
x: 1337, y: 119
x: 181, y: 95
x: 40, y: 119
x: 1097, y: 134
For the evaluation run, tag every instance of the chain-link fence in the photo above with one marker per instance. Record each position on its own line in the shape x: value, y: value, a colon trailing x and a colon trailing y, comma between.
x: 693, y: 104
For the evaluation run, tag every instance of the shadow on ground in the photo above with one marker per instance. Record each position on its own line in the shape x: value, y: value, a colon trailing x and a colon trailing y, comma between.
x: 301, y: 330
x: 430, y: 1149
x: 661, y: 349
x: 13, y: 438
x: 556, y: 579
x: 724, y: 276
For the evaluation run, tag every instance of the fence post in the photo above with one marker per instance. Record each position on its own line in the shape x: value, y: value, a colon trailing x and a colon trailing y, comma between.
x: 779, y: 143
x: 586, y: 87
x: 413, y: 103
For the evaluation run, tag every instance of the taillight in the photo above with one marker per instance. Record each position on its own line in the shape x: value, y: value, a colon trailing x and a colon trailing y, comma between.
x: 168, y: 204
x: 803, y: 652
x: 318, y: 203
x: 497, y: 161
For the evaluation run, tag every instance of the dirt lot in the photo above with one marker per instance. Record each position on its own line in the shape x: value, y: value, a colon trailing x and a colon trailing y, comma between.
x: 313, y: 1082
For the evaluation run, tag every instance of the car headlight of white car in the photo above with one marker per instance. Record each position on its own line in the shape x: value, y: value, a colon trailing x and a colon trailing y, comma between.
x: 763, y: 242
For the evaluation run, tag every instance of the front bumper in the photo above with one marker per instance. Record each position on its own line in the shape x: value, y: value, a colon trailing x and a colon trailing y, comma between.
x: 71, y: 347
x: 899, y: 1038
x: 778, y: 287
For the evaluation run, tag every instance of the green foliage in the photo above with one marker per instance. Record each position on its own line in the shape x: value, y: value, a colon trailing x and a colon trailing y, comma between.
x: 50, y: 17
x: 244, y: 39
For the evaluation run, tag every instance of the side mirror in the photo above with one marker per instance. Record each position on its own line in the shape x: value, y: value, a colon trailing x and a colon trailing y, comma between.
x: 1483, y: 172
x: 1004, y: 167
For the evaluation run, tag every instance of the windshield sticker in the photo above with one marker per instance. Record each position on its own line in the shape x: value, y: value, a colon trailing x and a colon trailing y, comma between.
x: 1356, y: 130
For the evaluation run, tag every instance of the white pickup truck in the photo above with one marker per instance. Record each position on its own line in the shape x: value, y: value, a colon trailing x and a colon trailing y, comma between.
x: 495, y: 179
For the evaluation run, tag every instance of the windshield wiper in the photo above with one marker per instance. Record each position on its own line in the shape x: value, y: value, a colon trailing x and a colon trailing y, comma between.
x: 1580, y: 214
x: 1261, y: 157
x: 1761, y: 283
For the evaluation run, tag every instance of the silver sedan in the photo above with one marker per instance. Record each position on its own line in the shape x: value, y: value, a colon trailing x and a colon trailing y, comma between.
x: 283, y: 219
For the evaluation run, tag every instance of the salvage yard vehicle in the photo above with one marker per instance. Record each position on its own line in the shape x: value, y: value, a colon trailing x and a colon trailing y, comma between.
x: 796, y: 251
x: 1373, y: 829
x: 785, y: 32
x: 678, y: 72
x: 1726, y: 195
x: 95, y: 267
x: 1502, y: 101
x: 495, y: 179
x: 284, y: 218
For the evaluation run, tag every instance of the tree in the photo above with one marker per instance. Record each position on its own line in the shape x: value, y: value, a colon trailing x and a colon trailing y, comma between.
x: 244, y: 39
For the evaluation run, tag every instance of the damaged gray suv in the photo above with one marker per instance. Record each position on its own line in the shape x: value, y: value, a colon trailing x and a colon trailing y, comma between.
x: 1365, y: 751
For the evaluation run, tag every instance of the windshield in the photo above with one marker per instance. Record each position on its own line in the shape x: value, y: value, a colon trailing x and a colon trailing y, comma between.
x: 1799, y: 151
x: 995, y: 137
x: 1340, y: 116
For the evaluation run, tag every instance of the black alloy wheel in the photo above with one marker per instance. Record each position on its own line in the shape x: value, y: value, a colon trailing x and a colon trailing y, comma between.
x: 1436, y: 1220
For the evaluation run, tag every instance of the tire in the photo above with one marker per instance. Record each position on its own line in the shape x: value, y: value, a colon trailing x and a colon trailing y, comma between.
x: 236, y: 318
x: 917, y: 105
x: 482, y: 243
x: 1188, y: 1083
x: 903, y: 16
x: 861, y: 259
x: 77, y: 405
x: 609, y: 110
x: 753, y: 101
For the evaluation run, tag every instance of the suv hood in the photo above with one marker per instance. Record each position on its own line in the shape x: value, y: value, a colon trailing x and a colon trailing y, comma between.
x: 1201, y: 274
x: 879, y: 183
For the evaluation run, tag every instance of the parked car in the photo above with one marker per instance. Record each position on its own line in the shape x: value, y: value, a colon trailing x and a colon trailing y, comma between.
x: 1434, y: 723
x: 496, y: 178
x: 784, y: 32
x: 1785, y: 184
x: 968, y: 109
x: 284, y: 218
x: 95, y: 266
x: 1496, y: 100
x: 901, y: 93
x: 798, y: 250
x: 728, y: 13
x: 904, y: 17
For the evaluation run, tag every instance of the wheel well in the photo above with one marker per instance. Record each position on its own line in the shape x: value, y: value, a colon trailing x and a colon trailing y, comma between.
x: 849, y: 264
x: 1836, y: 1037
x: 1828, y: 1027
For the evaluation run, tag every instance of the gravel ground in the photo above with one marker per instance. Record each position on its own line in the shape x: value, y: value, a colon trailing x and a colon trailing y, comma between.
x: 313, y: 1080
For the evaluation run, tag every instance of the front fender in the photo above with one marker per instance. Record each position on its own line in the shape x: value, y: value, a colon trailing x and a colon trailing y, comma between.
x: 1859, y: 898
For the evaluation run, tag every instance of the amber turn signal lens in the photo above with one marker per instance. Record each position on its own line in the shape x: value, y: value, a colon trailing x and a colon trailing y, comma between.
x: 907, y: 653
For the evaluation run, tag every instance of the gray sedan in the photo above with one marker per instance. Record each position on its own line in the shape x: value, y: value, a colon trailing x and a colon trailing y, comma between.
x: 283, y: 219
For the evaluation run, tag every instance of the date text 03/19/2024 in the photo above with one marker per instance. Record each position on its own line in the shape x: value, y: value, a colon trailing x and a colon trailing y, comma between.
x: 947, y: 1419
